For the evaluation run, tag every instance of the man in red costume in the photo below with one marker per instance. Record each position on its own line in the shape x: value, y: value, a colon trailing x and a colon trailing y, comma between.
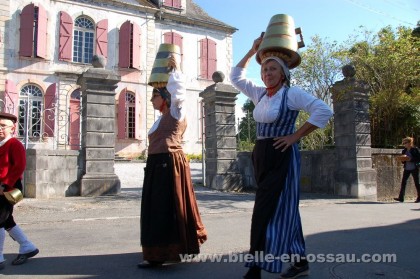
x: 12, y: 165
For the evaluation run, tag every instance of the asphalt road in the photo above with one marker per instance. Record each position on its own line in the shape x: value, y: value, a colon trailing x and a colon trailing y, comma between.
x: 99, y: 237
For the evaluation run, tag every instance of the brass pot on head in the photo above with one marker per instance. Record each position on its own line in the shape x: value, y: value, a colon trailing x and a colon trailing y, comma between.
x: 160, y: 71
x: 280, y: 40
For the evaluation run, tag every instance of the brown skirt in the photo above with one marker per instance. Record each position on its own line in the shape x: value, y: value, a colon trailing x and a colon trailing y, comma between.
x: 170, y: 220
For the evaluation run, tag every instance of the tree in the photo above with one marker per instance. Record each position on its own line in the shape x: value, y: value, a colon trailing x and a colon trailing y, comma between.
x: 318, y: 139
x: 389, y: 62
x: 247, y: 127
x: 319, y: 70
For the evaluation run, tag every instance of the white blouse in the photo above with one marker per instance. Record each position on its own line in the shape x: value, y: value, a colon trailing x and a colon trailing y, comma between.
x: 177, y: 87
x: 267, y: 109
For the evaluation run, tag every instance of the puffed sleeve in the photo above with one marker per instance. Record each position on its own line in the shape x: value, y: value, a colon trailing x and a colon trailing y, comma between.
x: 319, y: 111
x: 246, y: 86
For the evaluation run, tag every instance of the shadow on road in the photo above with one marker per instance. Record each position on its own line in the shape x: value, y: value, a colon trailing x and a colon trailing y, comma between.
x: 376, y: 242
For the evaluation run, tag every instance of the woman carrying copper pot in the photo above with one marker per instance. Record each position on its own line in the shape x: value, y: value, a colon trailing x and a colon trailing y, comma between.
x: 170, y: 221
x: 276, y: 230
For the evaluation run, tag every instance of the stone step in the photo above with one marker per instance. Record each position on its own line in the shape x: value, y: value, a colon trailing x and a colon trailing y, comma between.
x: 121, y: 159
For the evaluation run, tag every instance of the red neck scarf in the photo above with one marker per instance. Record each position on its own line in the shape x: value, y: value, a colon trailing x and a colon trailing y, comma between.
x: 271, y: 90
x: 163, y: 105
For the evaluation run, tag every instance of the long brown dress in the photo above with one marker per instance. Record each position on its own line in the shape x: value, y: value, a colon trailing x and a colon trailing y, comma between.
x: 170, y: 220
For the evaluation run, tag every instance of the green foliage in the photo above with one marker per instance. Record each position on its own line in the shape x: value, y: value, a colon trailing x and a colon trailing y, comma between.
x: 194, y: 157
x: 389, y: 62
x: 320, y: 68
x: 245, y: 145
x: 318, y: 139
x: 247, y: 126
x: 142, y: 156
x: 190, y: 157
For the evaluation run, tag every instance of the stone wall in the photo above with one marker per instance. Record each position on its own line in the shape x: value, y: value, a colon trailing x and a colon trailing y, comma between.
x: 390, y: 174
x: 317, y: 172
x: 51, y: 173
x: 317, y: 175
x: 247, y: 170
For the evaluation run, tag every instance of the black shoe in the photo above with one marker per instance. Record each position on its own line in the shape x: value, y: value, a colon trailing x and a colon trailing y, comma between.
x: 149, y: 264
x: 295, y: 272
x: 22, y: 258
x: 253, y: 273
x: 398, y: 200
x: 417, y: 200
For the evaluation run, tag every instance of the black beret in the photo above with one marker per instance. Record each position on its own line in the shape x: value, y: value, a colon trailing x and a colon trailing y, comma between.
x: 5, y: 115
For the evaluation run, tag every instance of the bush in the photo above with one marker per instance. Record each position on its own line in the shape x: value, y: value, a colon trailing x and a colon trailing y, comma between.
x: 142, y: 156
x: 194, y: 157
x: 245, y: 145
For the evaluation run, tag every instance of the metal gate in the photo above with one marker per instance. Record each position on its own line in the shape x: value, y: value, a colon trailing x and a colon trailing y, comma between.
x: 53, y: 127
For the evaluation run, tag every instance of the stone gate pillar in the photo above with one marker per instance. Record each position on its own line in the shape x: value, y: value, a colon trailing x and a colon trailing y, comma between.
x: 220, y: 135
x: 354, y: 175
x: 98, y: 130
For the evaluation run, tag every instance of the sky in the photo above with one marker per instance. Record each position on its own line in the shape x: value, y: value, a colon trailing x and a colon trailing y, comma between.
x: 331, y: 20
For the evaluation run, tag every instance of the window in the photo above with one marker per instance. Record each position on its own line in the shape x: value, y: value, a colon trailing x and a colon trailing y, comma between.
x: 128, y: 116
x: 33, y: 32
x: 75, y: 96
x: 130, y: 109
x: 129, y: 46
x: 208, y: 58
x: 175, y: 39
x: 83, y: 42
x: 50, y: 105
x: 172, y: 3
x: 10, y: 98
x: 102, y: 38
x: 74, y: 120
x: 66, y: 37
x: 83, y: 38
x: 30, y: 111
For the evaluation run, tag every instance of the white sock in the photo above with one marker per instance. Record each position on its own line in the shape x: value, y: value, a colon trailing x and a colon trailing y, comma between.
x: 25, y: 246
x: 2, y: 237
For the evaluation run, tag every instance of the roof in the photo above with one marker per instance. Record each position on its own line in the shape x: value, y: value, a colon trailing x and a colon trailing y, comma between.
x: 145, y: 5
x: 196, y: 12
x: 193, y: 15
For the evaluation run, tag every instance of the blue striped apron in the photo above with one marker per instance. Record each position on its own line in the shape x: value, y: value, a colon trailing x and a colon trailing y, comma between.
x: 284, y: 234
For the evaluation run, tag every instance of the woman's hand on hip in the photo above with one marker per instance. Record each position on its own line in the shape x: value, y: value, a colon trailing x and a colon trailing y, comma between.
x: 285, y: 142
